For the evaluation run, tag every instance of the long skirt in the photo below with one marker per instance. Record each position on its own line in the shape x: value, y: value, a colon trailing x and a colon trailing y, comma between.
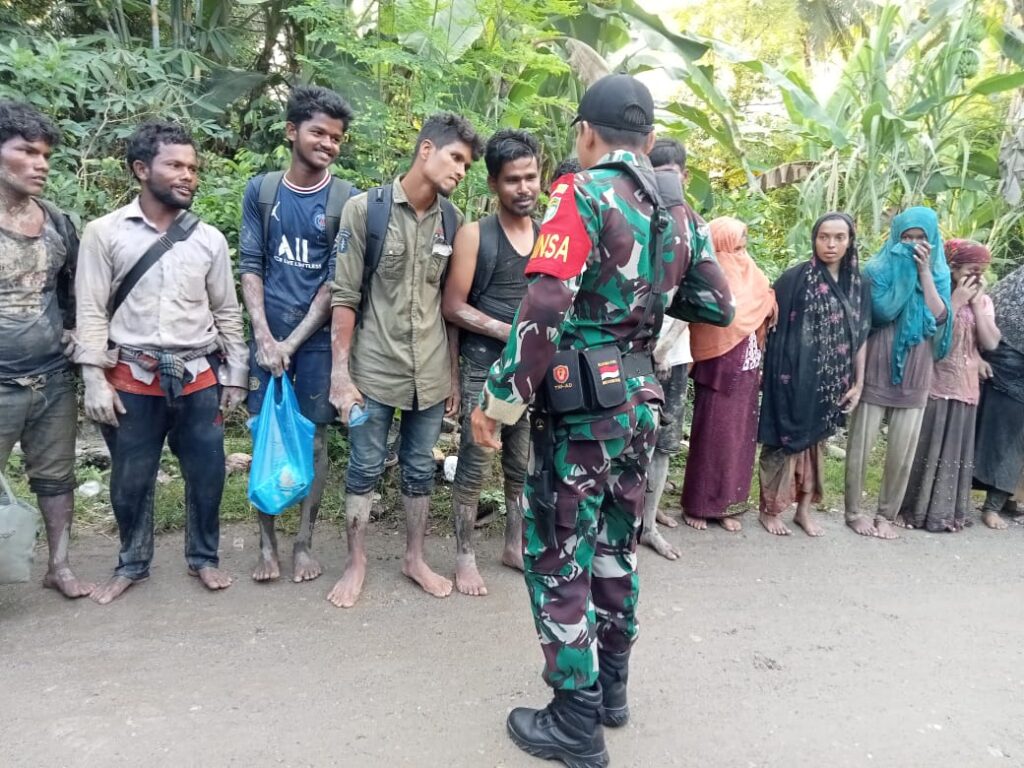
x: 999, y: 442
x: 786, y: 477
x: 723, y: 436
x: 938, y: 495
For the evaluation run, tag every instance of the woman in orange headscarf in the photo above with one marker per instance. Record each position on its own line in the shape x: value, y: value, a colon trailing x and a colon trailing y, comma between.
x: 727, y: 378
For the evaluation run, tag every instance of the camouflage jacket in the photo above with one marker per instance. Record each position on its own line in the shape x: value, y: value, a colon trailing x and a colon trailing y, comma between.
x: 590, y: 275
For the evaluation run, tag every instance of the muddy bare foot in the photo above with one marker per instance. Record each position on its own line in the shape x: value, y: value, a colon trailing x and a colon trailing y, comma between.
x: 305, y: 567
x: 697, y: 523
x: 513, y: 557
x: 467, y: 577
x: 901, y: 522
x: 730, y: 524
x: 994, y: 520
x: 268, y: 568
x: 212, y: 578
x: 112, y: 589
x: 885, y: 529
x: 773, y: 524
x: 805, y: 521
x: 63, y: 579
x: 863, y: 526
x: 432, y: 583
x: 346, y: 592
x: 668, y: 522
x: 656, y: 541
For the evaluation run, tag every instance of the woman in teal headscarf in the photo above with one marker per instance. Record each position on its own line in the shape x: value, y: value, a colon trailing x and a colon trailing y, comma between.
x: 910, y: 303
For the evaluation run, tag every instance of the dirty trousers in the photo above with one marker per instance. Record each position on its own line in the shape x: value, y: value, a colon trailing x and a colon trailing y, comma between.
x: 901, y: 444
x: 194, y: 429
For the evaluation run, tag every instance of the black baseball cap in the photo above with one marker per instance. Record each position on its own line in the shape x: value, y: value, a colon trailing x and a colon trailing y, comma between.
x: 618, y: 101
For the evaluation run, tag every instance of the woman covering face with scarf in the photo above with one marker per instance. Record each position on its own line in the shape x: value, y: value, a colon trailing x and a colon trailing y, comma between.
x: 939, y: 493
x: 813, y: 373
x: 911, y: 329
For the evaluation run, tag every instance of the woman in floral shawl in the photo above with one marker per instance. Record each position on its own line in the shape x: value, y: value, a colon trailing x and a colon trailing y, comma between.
x: 813, y: 373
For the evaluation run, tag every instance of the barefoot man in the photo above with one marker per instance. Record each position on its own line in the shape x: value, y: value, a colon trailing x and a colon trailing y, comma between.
x: 38, y: 249
x: 485, y: 284
x: 162, y: 352
x: 390, y: 345
x: 289, y: 223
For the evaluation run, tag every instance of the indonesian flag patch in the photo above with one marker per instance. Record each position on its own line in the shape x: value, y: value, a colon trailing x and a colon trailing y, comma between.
x: 563, y: 245
x: 610, y: 372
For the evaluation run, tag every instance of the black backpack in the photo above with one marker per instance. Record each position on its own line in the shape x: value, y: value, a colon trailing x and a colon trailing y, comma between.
x: 487, y: 255
x: 338, y: 195
x: 378, y: 212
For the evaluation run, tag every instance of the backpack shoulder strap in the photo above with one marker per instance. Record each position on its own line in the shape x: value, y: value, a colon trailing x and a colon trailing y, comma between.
x: 486, y: 257
x: 337, y: 196
x: 182, y: 227
x: 378, y: 211
x: 269, y: 184
x: 449, y: 220
x: 66, y: 278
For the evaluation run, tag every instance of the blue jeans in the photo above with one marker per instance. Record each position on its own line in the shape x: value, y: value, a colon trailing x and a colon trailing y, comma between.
x: 368, y: 448
x: 194, y: 430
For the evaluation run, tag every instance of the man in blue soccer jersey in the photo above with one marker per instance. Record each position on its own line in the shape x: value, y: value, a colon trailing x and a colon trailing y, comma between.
x: 289, y: 224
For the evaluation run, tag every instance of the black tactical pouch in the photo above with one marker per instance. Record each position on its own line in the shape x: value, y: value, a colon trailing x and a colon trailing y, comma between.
x: 564, y: 383
x: 604, y: 376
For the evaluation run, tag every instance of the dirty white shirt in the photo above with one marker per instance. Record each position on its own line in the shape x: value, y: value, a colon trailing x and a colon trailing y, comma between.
x: 184, y: 302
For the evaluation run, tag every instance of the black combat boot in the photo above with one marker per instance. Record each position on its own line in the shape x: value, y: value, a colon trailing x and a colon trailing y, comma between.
x: 613, y: 675
x: 568, y: 729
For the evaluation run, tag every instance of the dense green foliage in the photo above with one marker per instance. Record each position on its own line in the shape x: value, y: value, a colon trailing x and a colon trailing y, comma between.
x: 926, y: 95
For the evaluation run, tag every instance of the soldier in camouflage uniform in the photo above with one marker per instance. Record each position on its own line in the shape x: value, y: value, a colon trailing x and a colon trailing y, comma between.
x: 595, y: 276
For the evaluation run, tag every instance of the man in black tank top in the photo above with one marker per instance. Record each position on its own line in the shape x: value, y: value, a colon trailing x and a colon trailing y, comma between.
x: 484, y: 287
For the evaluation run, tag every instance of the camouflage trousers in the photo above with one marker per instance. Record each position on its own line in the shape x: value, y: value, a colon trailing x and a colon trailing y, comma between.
x: 583, y: 591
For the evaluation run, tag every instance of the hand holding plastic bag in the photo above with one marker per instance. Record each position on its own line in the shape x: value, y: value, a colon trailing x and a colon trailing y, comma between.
x: 282, y: 456
x: 19, y: 524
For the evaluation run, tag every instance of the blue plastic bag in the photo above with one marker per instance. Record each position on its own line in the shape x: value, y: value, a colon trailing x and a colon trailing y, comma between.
x: 282, y: 454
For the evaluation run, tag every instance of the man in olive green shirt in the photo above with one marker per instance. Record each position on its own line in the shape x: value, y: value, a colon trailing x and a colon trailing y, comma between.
x: 395, y: 354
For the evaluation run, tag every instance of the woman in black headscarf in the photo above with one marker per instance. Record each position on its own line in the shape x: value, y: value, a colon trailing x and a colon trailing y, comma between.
x: 999, y: 441
x: 814, y: 371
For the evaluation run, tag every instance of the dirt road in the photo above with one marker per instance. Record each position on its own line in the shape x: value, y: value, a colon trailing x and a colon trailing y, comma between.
x: 754, y: 652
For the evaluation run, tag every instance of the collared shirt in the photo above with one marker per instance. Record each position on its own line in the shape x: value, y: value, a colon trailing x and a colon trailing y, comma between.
x: 186, y: 301
x: 400, y: 352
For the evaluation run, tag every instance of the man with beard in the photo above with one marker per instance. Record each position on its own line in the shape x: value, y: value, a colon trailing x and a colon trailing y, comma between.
x: 38, y: 248
x: 289, y: 224
x: 162, y: 354
x: 486, y: 282
x: 390, y: 347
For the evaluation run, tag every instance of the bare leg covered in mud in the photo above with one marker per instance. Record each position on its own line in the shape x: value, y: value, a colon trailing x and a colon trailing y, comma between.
x: 346, y: 592
x: 417, y: 509
x: 512, y: 554
x: 467, y: 576
x: 57, y: 512
x: 803, y: 516
x: 305, y: 567
x: 269, y: 567
x: 657, y: 474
